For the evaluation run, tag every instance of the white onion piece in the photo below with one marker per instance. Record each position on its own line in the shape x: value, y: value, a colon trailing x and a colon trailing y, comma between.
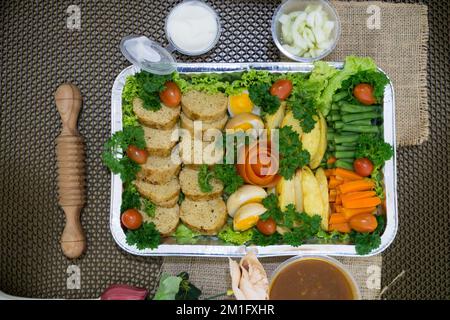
x: 307, y: 33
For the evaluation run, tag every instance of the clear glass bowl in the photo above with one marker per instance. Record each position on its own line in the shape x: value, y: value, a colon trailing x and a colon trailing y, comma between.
x: 333, y: 262
x: 173, y: 47
x: 296, y: 5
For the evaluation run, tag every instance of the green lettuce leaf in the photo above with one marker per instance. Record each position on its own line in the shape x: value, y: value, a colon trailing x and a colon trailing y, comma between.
x: 352, y: 66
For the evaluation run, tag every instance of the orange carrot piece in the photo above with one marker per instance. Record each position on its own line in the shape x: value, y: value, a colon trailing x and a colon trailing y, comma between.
x: 331, y: 160
x: 333, y: 183
x: 348, y: 213
x: 332, y: 193
x: 341, y: 227
x: 338, y: 199
x: 329, y: 172
x: 362, y: 203
x: 332, y: 197
x: 338, y: 208
x: 357, y: 185
x: 358, y: 195
x: 336, y: 218
x: 347, y: 174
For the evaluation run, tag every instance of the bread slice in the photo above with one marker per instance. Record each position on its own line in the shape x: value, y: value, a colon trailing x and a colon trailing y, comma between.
x: 170, y: 203
x: 160, y: 142
x: 160, y: 194
x: 191, y: 188
x: 159, y: 170
x: 188, y: 124
x: 165, y: 219
x: 197, y: 152
x: 164, y: 118
x: 206, y: 217
x: 199, y: 105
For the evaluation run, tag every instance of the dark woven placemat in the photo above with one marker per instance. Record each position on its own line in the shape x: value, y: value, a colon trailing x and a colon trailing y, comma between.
x: 38, y: 53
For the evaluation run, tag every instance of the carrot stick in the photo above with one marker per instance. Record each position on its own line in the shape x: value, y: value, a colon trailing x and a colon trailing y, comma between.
x: 357, y: 185
x: 348, y: 213
x: 332, y: 197
x: 331, y: 160
x: 341, y: 227
x: 329, y: 172
x: 362, y: 203
x: 336, y: 218
x: 332, y: 193
x: 358, y: 195
x: 333, y: 183
x: 347, y: 174
x: 338, y: 199
x: 338, y: 208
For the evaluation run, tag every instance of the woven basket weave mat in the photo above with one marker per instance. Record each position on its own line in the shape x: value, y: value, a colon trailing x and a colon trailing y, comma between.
x: 38, y: 53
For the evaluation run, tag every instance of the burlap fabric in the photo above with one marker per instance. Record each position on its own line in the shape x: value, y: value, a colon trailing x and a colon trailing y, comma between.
x: 38, y: 52
x: 399, y: 46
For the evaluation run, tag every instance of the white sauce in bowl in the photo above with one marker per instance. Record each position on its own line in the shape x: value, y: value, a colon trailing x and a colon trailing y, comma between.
x: 192, y: 27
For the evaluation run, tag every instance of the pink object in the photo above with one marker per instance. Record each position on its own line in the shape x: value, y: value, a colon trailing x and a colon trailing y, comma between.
x: 124, y: 292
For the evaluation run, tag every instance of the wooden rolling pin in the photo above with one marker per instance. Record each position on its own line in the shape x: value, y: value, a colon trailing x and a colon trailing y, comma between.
x: 71, y: 171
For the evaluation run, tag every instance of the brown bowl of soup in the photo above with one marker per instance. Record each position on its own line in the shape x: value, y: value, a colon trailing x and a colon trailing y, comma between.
x: 312, y: 278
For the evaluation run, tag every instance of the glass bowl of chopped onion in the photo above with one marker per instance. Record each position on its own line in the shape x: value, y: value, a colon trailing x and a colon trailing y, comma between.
x: 305, y: 30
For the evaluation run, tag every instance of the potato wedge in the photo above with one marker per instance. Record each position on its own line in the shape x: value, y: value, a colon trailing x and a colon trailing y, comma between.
x: 312, y: 198
x: 286, y: 193
x: 311, y: 140
x: 274, y: 120
x: 322, y: 147
x: 323, y: 186
x: 289, y: 120
x: 298, y: 190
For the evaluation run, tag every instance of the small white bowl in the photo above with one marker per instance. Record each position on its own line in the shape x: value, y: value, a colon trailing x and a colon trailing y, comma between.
x: 296, y: 5
x: 173, y: 46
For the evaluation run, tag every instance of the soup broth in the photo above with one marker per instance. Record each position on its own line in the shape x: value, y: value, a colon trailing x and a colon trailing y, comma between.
x: 311, y: 279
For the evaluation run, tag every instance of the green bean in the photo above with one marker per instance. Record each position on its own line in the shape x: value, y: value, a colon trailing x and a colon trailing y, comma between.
x: 360, y: 129
x: 335, y: 117
x: 351, y: 108
x: 342, y: 164
x: 339, y: 96
x: 360, y: 116
x: 346, y: 139
x: 344, y: 154
x: 338, y: 124
x: 340, y: 147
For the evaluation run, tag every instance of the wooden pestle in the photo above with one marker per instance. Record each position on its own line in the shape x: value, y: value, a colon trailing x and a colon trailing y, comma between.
x: 71, y: 172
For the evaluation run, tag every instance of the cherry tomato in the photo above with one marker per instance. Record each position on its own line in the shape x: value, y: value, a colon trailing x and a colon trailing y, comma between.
x: 137, y: 155
x: 363, y: 222
x: 131, y: 219
x: 267, y: 227
x: 171, y: 95
x: 363, y: 167
x: 281, y: 88
x: 363, y: 92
